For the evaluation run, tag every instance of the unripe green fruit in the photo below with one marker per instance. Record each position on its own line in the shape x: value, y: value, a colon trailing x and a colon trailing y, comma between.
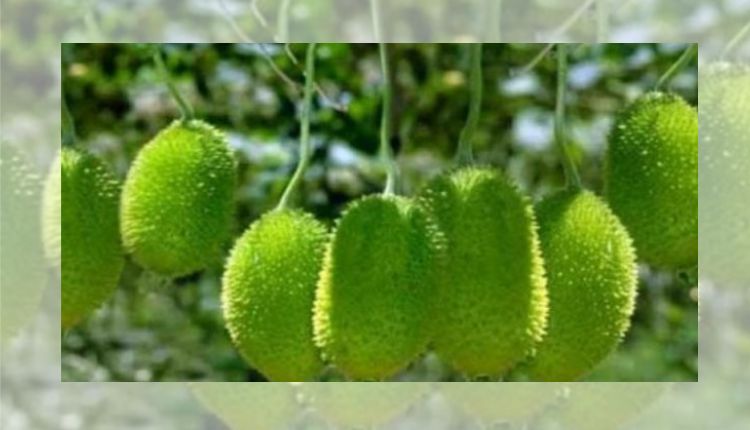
x: 651, y: 178
x: 491, y: 305
x: 52, y: 210
x: 268, y: 294
x: 372, y: 308
x: 23, y: 275
x: 361, y: 404
x: 500, y: 403
x: 92, y: 258
x: 248, y: 405
x: 724, y: 94
x: 597, y: 406
x: 177, y: 204
x: 591, y: 282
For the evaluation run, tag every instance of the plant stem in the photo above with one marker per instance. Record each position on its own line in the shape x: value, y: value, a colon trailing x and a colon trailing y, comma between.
x: 69, y: 137
x: 464, y: 154
x: 305, y: 150
x: 602, y: 21
x: 681, y: 62
x: 186, y: 110
x: 571, y: 173
x: 735, y: 40
x: 386, y: 154
x: 282, y: 23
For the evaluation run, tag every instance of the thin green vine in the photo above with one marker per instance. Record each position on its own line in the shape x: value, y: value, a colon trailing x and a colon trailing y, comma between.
x: 386, y: 154
x: 69, y: 137
x: 602, y: 20
x: 734, y: 41
x: 464, y: 154
x: 571, y: 173
x: 681, y: 62
x: 305, y: 150
x: 186, y: 111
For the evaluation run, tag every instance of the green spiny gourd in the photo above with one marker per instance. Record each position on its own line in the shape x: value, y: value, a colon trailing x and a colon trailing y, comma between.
x: 372, y: 307
x: 92, y: 258
x: 361, y: 404
x: 491, y: 304
x: 724, y: 114
x: 23, y: 275
x: 243, y: 406
x: 591, y: 283
x: 177, y: 203
x: 491, y: 404
x: 651, y: 178
x: 268, y: 294
x: 596, y: 406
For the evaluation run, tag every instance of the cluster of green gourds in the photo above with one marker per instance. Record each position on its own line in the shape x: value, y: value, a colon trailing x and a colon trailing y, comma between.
x: 468, y: 267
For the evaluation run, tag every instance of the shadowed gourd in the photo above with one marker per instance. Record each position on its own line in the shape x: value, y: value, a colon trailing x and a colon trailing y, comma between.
x: 372, y: 308
x: 177, y: 202
x: 268, y: 292
x: 23, y: 274
x: 491, y: 305
x: 247, y: 405
x: 92, y: 256
x: 591, y: 284
x: 724, y: 114
x: 360, y: 405
x: 651, y: 178
x: 597, y: 406
x: 491, y: 404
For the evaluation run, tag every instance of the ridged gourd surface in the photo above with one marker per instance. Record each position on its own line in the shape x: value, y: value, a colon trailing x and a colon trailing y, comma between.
x: 178, y: 199
x: 591, y: 282
x: 724, y: 115
x: 651, y: 178
x: 372, y: 308
x: 92, y: 257
x: 491, y: 305
x: 268, y: 294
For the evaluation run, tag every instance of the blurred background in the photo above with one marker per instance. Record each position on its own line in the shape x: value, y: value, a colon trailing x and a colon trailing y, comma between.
x: 31, y: 395
x: 157, y: 329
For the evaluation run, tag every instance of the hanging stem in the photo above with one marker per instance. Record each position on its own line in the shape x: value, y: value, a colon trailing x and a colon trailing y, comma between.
x: 571, y: 173
x: 602, y: 20
x: 464, y: 154
x: 69, y: 137
x: 305, y: 150
x: 493, y: 31
x: 185, y: 109
x: 735, y: 40
x: 685, y: 58
x: 282, y: 23
x: 386, y: 154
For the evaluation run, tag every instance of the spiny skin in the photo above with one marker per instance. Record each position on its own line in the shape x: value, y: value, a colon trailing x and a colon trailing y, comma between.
x: 496, y: 403
x: 491, y: 305
x: 651, y: 178
x: 246, y: 405
x: 597, y: 406
x: 372, y: 307
x: 23, y: 274
x: 361, y: 404
x: 724, y: 114
x: 177, y: 204
x: 268, y: 294
x: 591, y: 283
x: 92, y: 258
x: 51, y: 226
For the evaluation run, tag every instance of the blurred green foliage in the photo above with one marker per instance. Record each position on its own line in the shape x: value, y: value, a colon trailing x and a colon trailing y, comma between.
x: 158, y: 329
